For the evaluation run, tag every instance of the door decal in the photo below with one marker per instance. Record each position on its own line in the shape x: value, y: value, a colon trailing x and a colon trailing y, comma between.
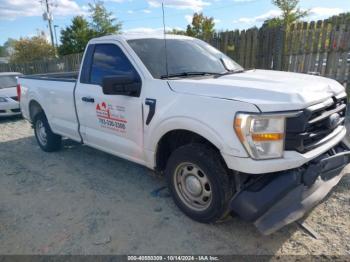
x: 112, y: 117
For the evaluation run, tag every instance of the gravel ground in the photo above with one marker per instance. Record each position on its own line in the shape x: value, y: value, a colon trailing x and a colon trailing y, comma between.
x: 82, y: 201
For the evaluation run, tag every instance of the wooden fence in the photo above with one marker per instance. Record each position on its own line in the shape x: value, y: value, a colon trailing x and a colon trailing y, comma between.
x: 321, y: 47
x: 62, y: 64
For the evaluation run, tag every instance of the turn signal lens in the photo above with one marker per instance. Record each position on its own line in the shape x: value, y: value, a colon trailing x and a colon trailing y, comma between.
x: 238, y: 129
x: 267, y: 137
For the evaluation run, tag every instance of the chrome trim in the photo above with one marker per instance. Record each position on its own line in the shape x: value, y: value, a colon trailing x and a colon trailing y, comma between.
x: 328, y: 138
x: 341, y: 95
x: 319, y: 106
x: 327, y: 102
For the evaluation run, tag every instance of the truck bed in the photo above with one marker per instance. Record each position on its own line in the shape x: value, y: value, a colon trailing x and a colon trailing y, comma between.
x: 54, y: 92
x: 61, y: 76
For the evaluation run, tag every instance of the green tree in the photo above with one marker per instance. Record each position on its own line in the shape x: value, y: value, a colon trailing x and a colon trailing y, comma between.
x: 176, y: 32
x: 291, y: 13
x: 201, y: 26
x: 75, y: 37
x: 103, y: 22
x: 2, y: 51
x: 31, y: 49
x: 7, y: 48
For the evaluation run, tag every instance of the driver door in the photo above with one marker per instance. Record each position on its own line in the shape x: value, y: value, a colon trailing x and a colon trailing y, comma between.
x: 112, y: 123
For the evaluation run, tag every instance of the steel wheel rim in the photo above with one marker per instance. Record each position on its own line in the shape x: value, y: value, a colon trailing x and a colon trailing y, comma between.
x: 41, y: 132
x: 193, y: 186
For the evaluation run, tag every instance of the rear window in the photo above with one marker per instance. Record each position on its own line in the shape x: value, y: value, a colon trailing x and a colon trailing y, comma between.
x: 8, y: 81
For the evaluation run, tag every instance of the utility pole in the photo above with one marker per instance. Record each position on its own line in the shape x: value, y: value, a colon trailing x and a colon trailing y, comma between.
x: 49, y: 19
x: 54, y: 27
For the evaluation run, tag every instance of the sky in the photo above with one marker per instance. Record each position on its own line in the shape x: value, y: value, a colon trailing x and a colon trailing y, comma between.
x: 23, y: 18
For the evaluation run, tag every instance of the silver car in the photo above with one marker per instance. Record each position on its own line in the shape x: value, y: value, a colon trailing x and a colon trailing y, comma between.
x: 9, y: 105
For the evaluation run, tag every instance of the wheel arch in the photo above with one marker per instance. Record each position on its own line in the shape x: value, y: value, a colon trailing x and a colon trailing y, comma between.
x: 178, y: 132
x: 34, y: 109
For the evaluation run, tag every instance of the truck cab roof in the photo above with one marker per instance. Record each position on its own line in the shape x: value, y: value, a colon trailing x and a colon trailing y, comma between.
x: 134, y: 36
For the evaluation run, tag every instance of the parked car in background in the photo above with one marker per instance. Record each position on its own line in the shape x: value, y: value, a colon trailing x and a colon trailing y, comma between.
x: 9, y: 105
x: 347, y: 59
x: 324, y: 63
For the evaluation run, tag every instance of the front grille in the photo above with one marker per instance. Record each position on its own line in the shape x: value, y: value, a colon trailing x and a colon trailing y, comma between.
x: 14, y: 98
x: 17, y: 110
x: 315, y: 125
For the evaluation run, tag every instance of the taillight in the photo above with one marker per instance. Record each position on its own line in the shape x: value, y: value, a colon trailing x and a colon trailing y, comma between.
x: 19, y: 92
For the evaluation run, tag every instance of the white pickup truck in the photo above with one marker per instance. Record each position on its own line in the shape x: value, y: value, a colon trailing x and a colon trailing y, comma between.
x: 264, y: 145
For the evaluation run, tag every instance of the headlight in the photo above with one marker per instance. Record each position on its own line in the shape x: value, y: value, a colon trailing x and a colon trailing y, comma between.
x: 3, y: 99
x: 261, y: 135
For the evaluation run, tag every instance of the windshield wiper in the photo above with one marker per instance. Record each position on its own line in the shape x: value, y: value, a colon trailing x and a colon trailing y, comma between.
x: 188, y: 74
x: 230, y: 72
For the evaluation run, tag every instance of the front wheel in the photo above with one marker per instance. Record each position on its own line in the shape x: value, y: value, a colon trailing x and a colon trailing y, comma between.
x: 47, y: 140
x: 199, y: 183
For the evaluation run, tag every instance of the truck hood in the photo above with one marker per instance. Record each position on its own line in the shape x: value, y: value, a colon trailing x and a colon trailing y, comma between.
x: 268, y: 90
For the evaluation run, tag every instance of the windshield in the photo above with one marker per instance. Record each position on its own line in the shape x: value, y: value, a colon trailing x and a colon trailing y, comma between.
x: 8, y: 81
x: 189, y: 56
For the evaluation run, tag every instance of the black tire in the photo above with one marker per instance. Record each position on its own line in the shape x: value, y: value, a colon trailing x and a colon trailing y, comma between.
x: 53, y: 141
x: 221, y: 184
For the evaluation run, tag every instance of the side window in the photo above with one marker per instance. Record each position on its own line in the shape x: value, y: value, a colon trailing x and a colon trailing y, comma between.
x: 85, y: 70
x: 109, y: 60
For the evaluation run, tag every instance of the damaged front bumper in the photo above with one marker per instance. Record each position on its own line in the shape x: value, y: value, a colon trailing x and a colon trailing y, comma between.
x: 275, y: 200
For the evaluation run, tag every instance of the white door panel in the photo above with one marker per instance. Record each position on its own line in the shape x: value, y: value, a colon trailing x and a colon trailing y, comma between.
x: 111, y: 122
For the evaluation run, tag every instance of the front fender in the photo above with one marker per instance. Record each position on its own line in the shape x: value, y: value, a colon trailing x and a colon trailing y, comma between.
x: 183, y: 123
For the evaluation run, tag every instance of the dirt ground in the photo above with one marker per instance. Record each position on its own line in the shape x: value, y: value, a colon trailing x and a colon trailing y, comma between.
x: 82, y: 201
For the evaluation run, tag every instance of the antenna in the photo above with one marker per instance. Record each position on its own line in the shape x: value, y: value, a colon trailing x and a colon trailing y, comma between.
x: 165, y: 42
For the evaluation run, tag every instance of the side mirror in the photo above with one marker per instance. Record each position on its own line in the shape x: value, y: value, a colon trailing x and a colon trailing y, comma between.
x: 127, y: 85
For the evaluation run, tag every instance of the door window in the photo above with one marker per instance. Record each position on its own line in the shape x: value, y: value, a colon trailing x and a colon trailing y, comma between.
x: 109, y: 60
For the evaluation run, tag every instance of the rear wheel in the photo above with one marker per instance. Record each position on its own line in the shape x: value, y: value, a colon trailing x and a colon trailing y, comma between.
x: 47, y: 140
x: 199, y: 182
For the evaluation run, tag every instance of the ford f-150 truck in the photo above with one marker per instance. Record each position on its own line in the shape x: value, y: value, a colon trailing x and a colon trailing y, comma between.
x: 264, y: 145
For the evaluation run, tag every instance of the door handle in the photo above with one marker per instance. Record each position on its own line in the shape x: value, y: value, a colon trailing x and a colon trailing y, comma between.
x: 88, y: 99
